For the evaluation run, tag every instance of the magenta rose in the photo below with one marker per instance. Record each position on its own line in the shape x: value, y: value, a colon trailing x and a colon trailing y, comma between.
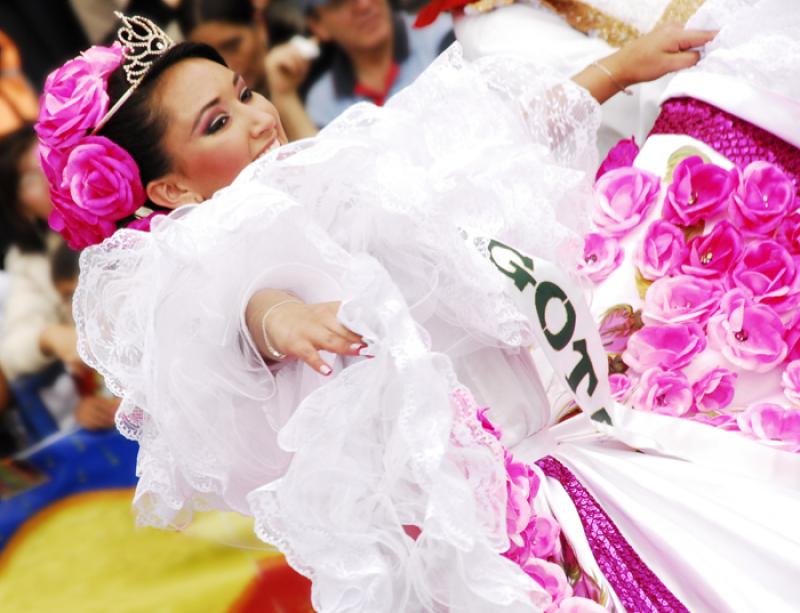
x: 75, y: 97
x: 748, y: 334
x: 622, y: 199
x: 551, y: 577
x: 662, y: 391
x: 771, y: 422
x: 765, y: 196
x: 714, y: 390
x: 716, y: 253
x: 65, y: 218
x: 670, y: 347
x: 661, y: 252
x: 788, y: 233
x: 143, y: 224
x: 621, y: 386
x: 601, y: 257
x: 791, y: 381
x: 577, y: 604
x: 768, y: 274
x: 699, y: 191
x: 681, y: 299
x: 620, y: 155
x: 616, y: 326
x: 792, y: 338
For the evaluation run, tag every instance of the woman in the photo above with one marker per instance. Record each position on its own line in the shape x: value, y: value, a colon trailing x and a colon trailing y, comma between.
x: 377, y: 479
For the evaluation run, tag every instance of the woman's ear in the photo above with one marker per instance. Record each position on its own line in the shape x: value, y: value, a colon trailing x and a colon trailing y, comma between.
x: 171, y: 193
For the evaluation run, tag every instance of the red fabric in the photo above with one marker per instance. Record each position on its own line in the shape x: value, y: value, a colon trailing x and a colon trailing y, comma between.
x: 379, y: 97
x: 428, y: 14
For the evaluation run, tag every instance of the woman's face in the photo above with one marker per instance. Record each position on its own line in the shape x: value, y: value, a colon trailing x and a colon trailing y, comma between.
x: 33, y: 193
x: 215, y: 124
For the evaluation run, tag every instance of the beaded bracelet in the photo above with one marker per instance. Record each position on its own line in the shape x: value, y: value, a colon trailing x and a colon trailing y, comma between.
x: 274, y: 354
x: 616, y: 83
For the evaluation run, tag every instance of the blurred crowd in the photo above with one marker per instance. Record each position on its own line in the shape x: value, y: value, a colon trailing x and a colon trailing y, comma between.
x: 311, y: 58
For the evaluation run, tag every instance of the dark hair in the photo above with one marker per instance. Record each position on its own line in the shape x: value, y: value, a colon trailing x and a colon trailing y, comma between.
x: 15, y: 227
x: 64, y: 263
x: 139, y: 125
x: 196, y: 12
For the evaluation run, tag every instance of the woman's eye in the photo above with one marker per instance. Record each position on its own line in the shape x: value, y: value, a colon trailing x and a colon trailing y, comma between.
x: 246, y: 94
x: 216, y: 125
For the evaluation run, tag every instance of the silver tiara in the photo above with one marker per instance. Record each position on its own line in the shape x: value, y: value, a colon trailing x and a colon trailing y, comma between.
x: 143, y: 42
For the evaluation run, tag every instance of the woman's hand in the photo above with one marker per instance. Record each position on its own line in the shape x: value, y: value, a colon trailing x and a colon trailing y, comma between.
x: 278, y: 321
x: 286, y: 70
x: 664, y: 50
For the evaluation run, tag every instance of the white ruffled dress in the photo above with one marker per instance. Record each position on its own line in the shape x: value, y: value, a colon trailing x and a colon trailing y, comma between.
x: 374, y: 213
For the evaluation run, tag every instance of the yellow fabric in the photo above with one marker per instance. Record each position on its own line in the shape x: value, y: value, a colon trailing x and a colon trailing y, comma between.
x: 84, y: 554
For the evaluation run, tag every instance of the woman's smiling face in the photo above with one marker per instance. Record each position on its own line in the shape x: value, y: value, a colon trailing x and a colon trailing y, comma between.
x: 215, y: 125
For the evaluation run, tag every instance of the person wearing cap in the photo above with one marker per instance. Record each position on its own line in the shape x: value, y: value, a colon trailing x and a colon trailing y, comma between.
x: 376, y: 52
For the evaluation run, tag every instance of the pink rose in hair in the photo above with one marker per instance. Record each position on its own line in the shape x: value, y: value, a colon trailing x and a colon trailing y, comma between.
x: 601, y: 257
x: 661, y: 252
x: 768, y: 274
x: 622, y: 199
x: 748, y: 334
x: 699, y: 191
x: 681, y: 299
x: 75, y: 97
x: 791, y: 382
x: 670, y: 347
x: 716, y: 253
x: 771, y: 422
x: 620, y: 155
x: 664, y: 392
x: 714, y: 391
x: 66, y: 219
x: 764, y: 197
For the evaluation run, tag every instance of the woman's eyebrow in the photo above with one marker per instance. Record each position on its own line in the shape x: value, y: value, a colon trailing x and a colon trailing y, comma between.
x: 211, y: 103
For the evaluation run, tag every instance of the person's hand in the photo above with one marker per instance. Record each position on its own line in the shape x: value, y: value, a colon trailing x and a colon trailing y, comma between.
x: 286, y: 69
x: 61, y: 341
x: 302, y: 330
x: 664, y: 50
x: 96, y: 412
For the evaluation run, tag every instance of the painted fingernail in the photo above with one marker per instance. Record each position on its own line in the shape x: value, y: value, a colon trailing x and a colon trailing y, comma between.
x: 325, y: 369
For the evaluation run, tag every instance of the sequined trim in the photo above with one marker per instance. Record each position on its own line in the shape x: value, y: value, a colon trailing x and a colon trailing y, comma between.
x: 679, y: 11
x: 739, y: 141
x: 590, y: 20
x: 636, y: 586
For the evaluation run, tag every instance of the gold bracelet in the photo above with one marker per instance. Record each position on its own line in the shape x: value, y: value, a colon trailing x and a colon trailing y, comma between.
x: 616, y: 83
x: 274, y: 354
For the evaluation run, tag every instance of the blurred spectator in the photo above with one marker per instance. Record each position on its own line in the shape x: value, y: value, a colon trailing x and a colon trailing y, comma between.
x: 376, y: 52
x: 46, y: 32
x: 18, y: 102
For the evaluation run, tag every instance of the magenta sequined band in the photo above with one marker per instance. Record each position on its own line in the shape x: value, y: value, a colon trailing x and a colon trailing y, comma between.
x: 636, y: 586
x: 739, y: 141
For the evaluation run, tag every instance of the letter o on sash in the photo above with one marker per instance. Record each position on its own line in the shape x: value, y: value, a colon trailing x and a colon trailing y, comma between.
x: 545, y: 292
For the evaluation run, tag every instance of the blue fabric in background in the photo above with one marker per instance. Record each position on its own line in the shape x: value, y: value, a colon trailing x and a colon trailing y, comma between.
x: 75, y: 462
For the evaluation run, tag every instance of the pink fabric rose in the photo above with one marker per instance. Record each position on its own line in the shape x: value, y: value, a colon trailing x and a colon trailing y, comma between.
x: 749, y: 335
x: 664, y: 392
x: 576, y: 604
x: 788, y: 233
x: 791, y: 381
x: 715, y: 254
x: 620, y: 155
x: 792, y: 338
x: 101, y: 185
x: 765, y: 196
x: 75, y: 97
x: 551, y: 577
x: 601, y: 257
x: 616, y: 326
x: 661, y: 252
x: 715, y: 389
x: 622, y: 199
x: 670, y: 347
x: 681, y: 299
x: 143, y: 224
x: 770, y: 422
x: 620, y: 386
x: 699, y: 191
x: 768, y: 274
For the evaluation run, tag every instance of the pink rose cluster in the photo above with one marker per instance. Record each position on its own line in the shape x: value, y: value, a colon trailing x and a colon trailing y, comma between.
x: 93, y: 181
x: 720, y: 267
x: 534, y: 538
